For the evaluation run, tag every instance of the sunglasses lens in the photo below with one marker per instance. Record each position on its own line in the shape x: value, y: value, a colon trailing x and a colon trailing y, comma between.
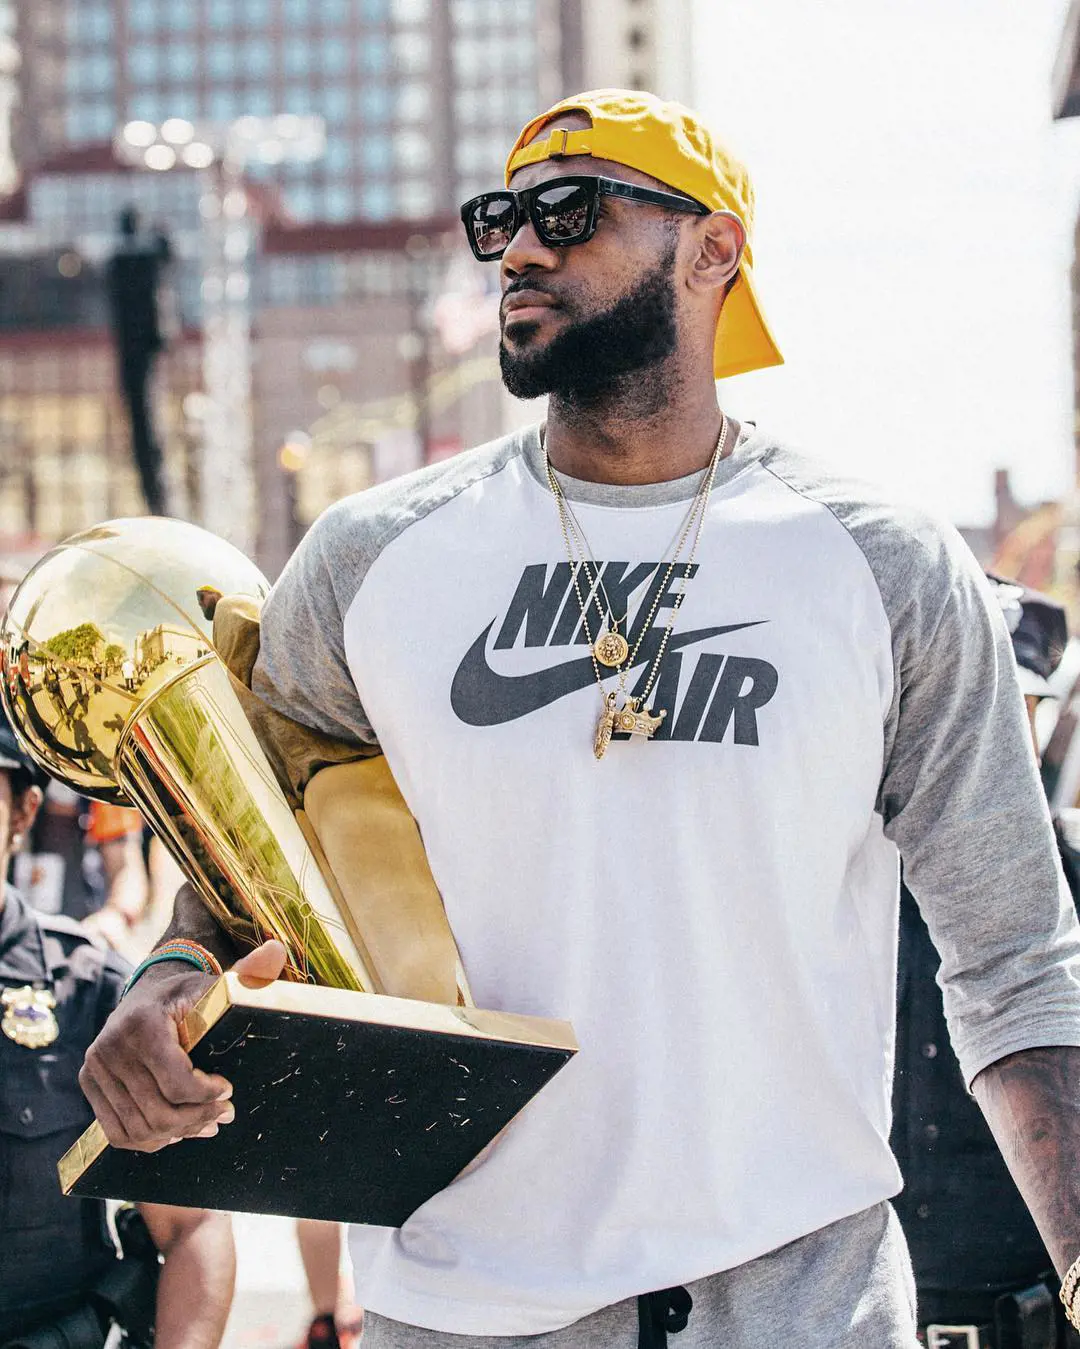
x: 562, y: 213
x: 491, y: 224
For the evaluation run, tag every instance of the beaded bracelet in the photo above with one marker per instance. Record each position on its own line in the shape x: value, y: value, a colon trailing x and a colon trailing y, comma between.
x: 176, y: 948
x: 1068, y: 1293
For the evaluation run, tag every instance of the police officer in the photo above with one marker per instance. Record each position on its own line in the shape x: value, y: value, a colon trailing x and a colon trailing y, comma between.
x: 983, y: 1276
x: 61, y: 1283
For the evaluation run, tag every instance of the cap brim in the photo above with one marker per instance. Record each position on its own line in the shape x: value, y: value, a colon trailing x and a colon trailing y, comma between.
x: 743, y: 339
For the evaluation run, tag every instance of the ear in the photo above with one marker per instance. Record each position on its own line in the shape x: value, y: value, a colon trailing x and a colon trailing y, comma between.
x: 24, y: 810
x: 719, y: 240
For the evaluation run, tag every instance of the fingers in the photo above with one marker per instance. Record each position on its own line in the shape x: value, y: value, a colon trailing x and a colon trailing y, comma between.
x: 138, y: 1080
x: 263, y: 965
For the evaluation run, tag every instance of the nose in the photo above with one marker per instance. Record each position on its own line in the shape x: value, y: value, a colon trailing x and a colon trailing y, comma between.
x: 524, y: 251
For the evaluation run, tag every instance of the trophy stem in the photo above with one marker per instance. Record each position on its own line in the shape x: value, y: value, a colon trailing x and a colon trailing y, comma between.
x: 190, y: 761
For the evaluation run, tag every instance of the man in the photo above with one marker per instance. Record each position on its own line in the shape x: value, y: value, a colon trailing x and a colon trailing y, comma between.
x: 60, y: 1281
x: 84, y: 859
x: 133, y: 280
x: 667, y: 700
x: 982, y: 1272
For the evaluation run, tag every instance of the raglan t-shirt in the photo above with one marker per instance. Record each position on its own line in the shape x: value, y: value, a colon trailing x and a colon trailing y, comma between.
x: 714, y: 909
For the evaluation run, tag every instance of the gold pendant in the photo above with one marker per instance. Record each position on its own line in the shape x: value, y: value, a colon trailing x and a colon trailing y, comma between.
x: 28, y: 1016
x: 611, y: 649
x: 635, y: 722
x: 604, y: 727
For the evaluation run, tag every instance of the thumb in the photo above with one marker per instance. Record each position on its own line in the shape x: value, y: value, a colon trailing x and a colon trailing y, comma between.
x: 263, y: 965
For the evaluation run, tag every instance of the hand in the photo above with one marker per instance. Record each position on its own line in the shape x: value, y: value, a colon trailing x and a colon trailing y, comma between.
x: 107, y: 928
x: 138, y: 1079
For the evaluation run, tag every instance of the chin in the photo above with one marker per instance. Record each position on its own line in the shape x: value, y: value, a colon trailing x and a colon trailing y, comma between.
x: 518, y: 336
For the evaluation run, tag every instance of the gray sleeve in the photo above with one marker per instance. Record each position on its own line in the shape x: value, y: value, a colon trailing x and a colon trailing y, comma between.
x: 301, y: 669
x: 961, y: 798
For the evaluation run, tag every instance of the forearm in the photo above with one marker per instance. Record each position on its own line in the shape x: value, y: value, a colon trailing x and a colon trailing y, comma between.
x: 125, y: 876
x: 192, y: 919
x: 196, y: 1285
x: 1031, y: 1101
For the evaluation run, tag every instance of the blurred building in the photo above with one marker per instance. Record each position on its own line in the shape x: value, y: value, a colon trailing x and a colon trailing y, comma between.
x: 373, y: 336
x: 639, y: 44
x: 372, y: 331
x: 419, y: 96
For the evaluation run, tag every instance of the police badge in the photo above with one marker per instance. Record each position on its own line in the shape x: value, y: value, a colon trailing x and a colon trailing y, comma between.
x: 28, y: 1016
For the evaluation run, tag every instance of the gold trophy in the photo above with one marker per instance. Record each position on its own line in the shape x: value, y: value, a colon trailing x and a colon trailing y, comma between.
x: 364, y: 1080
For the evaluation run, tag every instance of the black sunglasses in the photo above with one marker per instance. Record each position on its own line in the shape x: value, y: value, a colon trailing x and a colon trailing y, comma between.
x: 563, y: 211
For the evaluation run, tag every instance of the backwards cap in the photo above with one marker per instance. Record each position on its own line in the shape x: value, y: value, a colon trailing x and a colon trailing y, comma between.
x: 670, y: 143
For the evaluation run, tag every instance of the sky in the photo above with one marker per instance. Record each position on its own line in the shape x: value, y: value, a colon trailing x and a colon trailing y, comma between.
x: 914, y: 233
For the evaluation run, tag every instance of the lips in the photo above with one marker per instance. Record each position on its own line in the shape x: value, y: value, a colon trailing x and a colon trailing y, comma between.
x: 526, y: 305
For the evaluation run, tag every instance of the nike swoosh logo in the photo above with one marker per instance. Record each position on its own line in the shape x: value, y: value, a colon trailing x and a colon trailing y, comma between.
x: 480, y: 696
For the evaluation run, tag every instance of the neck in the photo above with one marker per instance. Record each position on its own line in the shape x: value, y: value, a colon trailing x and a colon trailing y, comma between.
x: 625, y: 440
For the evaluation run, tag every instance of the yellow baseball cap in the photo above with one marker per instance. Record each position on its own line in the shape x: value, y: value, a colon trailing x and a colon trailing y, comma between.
x: 669, y: 142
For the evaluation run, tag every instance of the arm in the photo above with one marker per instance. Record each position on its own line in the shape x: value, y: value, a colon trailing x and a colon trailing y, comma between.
x: 962, y: 799
x: 126, y: 888
x: 196, y: 1285
x: 1031, y: 1100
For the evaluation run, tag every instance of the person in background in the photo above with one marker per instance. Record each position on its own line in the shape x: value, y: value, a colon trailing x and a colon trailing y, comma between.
x: 61, y: 1283
x: 335, y: 1324
x: 983, y: 1275
x: 84, y: 859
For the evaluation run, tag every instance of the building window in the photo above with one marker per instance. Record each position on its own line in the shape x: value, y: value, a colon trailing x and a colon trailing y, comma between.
x: 374, y: 11
x: 256, y: 58
x: 411, y: 11
x: 221, y: 58
x: 337, y: 161
x: 221, y: 13
x: 376, y: 201
x: 221, y: 105
x: 412, y: 150
x: 181, y: 60
x: 299, y: 98
x: 334, y: 56
x: 297, y: 58
x: 333, y: 12
x: 412, y: 52
x: 338, y: 202
x: 143, y: 16
x: 90, y: 23
x: 335, y: 103
x: 144, y: 62
x: 376, y: 156
x: 416, y: 199
x: 413, y: 102
x: 375, y: 102
x: 375, y: 54
x: 254, y: 13
x: 301, y: 201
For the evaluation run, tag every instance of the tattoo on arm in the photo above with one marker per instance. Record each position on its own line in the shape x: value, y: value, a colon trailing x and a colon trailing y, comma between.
x: 1032, y: 1103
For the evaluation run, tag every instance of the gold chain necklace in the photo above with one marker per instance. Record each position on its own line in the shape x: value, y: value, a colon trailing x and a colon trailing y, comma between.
x: 630, y: 716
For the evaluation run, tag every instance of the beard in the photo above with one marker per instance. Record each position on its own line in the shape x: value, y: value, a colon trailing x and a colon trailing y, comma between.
x: 587, y: 362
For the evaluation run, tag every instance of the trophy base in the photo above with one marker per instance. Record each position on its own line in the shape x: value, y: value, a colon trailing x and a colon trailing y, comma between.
x: 351, y: 1107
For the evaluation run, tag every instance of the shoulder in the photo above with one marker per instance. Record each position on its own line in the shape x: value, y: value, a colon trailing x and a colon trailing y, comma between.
x: 348, y: 537
x: 68, y: 944
x: 918, y: 560
x: 369, y: 520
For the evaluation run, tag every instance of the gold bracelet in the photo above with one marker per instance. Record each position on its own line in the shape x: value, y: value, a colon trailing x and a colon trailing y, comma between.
x: 1068, y: 1293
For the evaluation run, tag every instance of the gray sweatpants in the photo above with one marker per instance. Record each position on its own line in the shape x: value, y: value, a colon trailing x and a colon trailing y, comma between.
x: 848, y: 1286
